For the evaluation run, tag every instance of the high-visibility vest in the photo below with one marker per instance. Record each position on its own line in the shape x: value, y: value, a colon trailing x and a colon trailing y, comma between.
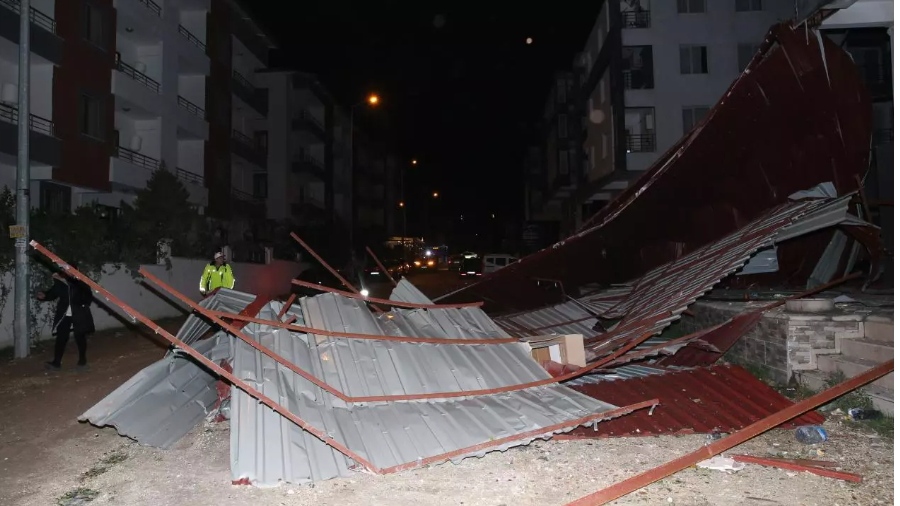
x: 215, y: 277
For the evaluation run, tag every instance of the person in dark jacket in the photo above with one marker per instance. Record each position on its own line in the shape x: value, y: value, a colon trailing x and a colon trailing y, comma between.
x: 73, y: 315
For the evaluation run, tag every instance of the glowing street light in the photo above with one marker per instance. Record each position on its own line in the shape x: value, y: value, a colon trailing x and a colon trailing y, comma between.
x: 402, y: 204
x: 435, y: 194
x: 373, y: 99
x: 414, y: 161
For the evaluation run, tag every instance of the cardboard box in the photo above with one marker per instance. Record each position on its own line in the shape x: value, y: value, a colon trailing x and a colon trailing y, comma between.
x: 565, y: 349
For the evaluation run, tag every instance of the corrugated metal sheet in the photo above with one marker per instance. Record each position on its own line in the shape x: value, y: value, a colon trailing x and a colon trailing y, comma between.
x: 722, y: 398
x: 165, y: 400
x: 231, y: 301
x: 267, y: 449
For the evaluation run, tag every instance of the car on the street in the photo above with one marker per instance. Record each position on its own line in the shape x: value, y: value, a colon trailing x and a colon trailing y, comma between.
x: 470, y: 266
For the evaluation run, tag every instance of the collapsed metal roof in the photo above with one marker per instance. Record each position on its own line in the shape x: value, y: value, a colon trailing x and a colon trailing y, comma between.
x: 660, y: 296
x: 799, y: 115
x: 446, y: 401
x: 722, y: 398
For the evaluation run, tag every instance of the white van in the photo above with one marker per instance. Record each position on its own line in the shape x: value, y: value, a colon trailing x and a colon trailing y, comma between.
x: 495, y: 261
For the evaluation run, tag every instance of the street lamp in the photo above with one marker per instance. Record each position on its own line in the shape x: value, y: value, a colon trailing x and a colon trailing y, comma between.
x: 372, y: 100
x: 435, y: 195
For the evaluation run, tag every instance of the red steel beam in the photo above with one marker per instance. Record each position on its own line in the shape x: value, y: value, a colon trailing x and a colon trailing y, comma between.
x: 321, y: 435
x: 354, y: 335
x: 800, y: 467
x: 384, y: 302
x: 287, y: 305
x: 641, y: 480
x: 381, y: 266
x: 371, y: 398
x: 324, y: 263
x: 199, y: 357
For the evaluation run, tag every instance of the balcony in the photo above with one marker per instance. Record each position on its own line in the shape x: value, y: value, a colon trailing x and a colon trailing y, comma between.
x: 44, y: 41
x: 256, y: 98
x: 311, y: 130
x: 638, y: 63
x: 152, y: 7
x: 636, y: 19
x: 193, y: 183
x: 137, y: 20
x: 45, y: 147
x: 191, y: 120
x: 130, y: 170
x: 192, y: 52
x: 640, y: 143
x: 308, y: 166
x: 136, y: 91
x: 248, y: 149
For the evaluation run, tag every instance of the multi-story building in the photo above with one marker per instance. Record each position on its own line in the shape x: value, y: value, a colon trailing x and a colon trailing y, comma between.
x: 649, y: 71
x: 120, y: 90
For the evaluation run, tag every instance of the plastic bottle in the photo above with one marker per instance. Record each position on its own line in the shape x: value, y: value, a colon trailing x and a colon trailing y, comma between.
x: 864, y: 414
x: 811, y: 434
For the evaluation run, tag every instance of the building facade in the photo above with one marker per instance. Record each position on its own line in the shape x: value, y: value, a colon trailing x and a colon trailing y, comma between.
x: 121, y: 89
x: 649, y: 71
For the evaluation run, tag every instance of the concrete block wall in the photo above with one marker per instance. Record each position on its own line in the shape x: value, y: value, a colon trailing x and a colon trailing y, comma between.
x: 271, y: 279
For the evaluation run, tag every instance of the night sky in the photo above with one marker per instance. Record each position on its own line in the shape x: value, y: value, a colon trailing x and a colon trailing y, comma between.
x: 459, y: 84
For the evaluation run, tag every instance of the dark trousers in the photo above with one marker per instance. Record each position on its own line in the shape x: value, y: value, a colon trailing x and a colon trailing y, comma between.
x: 62, y: 338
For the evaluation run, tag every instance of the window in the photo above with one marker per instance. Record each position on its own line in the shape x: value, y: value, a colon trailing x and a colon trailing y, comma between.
x: 748, y: 5
x: 604, y: 146
x: 690, y: 116
x: 560, y: 91
x: 693, y: 60
x: 55, y: 198
x: 563, y: 162
x: 260, y: 185
x: 562, y: 125
x: 94, y: 28
x: 90, y: 116
x: 261, y: 138
x: 691, y: 6
x: 745, y: 53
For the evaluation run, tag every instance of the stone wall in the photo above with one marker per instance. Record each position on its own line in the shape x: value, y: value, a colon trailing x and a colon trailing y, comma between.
x: 781, y: 342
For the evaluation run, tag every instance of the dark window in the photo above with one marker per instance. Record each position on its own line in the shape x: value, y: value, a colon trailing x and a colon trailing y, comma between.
x: 745, y: 54
x: 690, y: 116
x: 90, y: 116
x: 563, y: 162
x: 562, y: 124
x: 55, y: 198
x: 260, y: 185
x: 94, y: 27
x: 261, y: 138
x: 691, y: 6
x: 748, y: 5
x: 693, y: 60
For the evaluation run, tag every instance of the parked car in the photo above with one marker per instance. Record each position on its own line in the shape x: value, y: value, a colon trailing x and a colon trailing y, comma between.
x: 495, y: 261
x: 471, y: 266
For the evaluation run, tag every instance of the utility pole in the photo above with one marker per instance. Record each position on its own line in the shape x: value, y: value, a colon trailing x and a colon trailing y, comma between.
x: 23, y: 180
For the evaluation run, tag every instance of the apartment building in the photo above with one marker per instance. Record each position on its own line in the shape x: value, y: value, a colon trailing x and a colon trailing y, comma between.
x: 120, y: 89
x: 649, y: 71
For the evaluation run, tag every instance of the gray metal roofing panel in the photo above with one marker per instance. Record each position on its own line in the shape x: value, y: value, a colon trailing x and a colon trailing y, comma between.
x: 224, y: 299
x: 386, y: 434
x: 622, y: 372
x: 369, y: 367
x: 165, y: 400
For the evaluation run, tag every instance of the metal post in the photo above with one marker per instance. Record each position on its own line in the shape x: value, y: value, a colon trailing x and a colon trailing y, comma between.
x: 405, y: 204
x: 352, y: 182
x: 23, y: 180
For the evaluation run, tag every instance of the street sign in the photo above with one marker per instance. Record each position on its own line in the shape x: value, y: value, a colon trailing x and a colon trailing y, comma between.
x: 16, y: 232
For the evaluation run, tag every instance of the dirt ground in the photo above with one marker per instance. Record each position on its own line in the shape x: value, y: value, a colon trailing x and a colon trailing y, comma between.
x: 46, y: 455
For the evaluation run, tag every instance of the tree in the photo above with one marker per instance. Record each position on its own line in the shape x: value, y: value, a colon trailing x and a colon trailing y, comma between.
x: 160, y: 211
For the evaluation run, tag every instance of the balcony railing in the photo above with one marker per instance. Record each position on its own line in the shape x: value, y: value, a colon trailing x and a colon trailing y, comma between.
x: 642, y: 143
x: 245, y: 139
x: 37, y: 17
x: 137, y: 75
x: 309, y: 118
x: 153, y: 6
x: 636, y: 19
x: 637, y: 79
x: 191, y: 107
x: 10, y: 114
x: 883, y: 136
x: 136, y: 158
x: 242, y: 80
x: 244, y: 196
x: 190, y: 36
x: 190, y: 177
x: 304, y: 160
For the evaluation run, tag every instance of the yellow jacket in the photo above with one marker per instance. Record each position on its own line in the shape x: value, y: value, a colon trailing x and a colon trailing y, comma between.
x: 216, y: 277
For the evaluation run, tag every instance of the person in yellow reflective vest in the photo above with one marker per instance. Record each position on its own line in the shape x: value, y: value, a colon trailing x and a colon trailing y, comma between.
x: 216, y: 275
